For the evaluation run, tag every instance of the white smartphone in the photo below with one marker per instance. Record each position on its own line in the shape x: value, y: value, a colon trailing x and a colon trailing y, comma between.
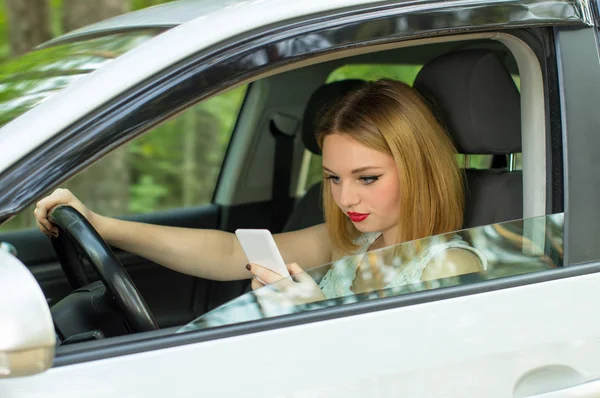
x: 260, y: 248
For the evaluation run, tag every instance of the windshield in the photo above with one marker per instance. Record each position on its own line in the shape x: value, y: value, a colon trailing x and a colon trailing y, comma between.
x: 33, y: 77
x: 503, y: 249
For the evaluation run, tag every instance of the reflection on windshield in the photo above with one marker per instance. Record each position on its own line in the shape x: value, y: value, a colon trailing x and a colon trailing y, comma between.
x: 504, y: 249
x: 30, y: 79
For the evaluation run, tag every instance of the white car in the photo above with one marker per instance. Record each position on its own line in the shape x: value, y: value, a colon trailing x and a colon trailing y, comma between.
x: 516, y: 82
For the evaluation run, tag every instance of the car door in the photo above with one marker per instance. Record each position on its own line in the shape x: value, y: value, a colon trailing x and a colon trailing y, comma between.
x: 518, y: 335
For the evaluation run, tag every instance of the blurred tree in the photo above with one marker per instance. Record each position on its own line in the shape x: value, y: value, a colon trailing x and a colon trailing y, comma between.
x: 79, y: 13
x: 139, y: 4
x: 4, y: 46
x: 29, y: 24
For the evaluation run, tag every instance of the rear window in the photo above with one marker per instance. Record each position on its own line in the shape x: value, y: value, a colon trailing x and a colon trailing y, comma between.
x: 28, y: 80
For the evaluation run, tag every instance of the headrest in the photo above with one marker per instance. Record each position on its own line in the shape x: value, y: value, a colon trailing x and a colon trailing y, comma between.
x: 325, y: 96
x: 475, y: 96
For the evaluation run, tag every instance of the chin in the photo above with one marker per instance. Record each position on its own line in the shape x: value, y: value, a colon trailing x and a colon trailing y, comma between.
x: 365, y: 227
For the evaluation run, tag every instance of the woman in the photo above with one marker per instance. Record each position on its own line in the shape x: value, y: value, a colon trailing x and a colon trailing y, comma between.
x: 390, y: 176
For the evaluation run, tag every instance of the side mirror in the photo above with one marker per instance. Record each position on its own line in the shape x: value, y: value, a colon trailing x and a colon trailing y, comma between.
x: 27, y: 338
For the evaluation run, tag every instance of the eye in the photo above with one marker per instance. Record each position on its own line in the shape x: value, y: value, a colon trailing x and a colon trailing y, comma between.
x: 333, y: 179
x: 369, y: 179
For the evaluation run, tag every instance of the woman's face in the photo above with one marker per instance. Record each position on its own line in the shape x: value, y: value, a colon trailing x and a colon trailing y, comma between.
x: 364, y: 183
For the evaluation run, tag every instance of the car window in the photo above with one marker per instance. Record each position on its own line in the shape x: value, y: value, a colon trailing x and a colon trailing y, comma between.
x: 28, y: 80
x: 406, y: 74
x: 503, y: 249
x: 175, y: 165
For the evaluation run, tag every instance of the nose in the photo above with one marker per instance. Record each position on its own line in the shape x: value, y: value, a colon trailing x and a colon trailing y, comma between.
x: 348, y: 195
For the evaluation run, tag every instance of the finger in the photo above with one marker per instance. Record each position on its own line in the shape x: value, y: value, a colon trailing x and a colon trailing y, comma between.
x: 299, y: 274
x: 41, y: 216
x: 46, y: 231
x: 59, y: 197
x: 42, y: 228
x: 256, y: 284
x: 264, y: 274
x: 46, y: 204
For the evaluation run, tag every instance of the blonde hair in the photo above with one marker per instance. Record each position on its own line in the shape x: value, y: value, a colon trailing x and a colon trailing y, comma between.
x: 391, y: 117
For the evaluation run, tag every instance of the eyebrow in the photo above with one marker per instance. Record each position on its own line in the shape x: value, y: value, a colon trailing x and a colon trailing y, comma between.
x: 360, y: 169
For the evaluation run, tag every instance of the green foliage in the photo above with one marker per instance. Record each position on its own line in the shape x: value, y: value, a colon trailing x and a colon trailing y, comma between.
x: 4, y: 46
x: 139, y: 4
x: 55, y: 17
x: 403, y: 73
x: 146, y: 195
x: 177, y: 163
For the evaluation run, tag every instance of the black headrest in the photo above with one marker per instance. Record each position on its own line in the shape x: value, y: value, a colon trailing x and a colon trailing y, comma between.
x: 477, y: 99
x: 325, y: 96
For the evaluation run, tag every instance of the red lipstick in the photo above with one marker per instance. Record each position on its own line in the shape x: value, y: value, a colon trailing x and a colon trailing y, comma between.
x: 357, y: 217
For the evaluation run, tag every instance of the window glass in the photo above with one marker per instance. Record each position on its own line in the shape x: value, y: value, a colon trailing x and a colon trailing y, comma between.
x: 501, y: 250
x: 517, y: 80
x: 175, y: 165
x: 489, y: 161
x: 31, y: 78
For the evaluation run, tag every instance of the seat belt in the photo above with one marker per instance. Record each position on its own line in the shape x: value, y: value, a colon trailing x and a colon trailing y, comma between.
x: 283, y: 128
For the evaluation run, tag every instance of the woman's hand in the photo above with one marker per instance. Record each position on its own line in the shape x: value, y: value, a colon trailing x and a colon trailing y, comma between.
x: 58, y: 197
x: 299, y: 289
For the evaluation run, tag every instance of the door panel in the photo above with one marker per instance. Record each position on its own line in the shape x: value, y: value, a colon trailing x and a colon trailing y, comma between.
x: 476, y: 345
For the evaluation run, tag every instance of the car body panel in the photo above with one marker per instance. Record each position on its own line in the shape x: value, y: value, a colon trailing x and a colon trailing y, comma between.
x: 487, y: 342
x: 476, y: 345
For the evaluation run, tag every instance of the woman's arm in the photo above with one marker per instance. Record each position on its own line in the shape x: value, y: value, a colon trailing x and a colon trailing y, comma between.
x: 204, y: 253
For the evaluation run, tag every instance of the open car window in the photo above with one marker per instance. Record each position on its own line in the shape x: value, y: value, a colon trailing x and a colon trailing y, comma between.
x: 503, y: 249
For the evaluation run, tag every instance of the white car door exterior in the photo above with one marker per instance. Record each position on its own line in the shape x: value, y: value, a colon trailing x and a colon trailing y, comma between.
x: 534, y: 334
x: 476, y: 345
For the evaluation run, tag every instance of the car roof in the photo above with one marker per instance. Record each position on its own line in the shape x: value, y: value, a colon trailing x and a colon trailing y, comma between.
x: 165, y: 16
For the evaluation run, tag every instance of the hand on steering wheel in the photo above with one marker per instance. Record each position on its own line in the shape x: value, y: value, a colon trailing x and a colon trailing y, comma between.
x: 77, y: 234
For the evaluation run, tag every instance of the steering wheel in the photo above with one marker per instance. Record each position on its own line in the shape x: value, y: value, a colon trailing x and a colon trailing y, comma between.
x: 76, y: 235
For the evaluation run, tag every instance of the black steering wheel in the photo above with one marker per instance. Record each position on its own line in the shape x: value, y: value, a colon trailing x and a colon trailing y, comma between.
x: 76, y: 235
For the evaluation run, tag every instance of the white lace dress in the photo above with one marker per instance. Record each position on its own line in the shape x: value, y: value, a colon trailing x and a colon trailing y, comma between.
x: 338, y: 280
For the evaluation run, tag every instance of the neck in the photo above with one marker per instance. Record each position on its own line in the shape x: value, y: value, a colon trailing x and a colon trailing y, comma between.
x: 389, y: 236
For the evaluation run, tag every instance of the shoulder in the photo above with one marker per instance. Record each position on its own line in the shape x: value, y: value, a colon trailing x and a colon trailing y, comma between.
x: 452, y: 260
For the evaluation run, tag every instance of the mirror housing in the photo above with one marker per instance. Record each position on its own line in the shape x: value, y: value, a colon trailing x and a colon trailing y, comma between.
x: 27, y: 338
